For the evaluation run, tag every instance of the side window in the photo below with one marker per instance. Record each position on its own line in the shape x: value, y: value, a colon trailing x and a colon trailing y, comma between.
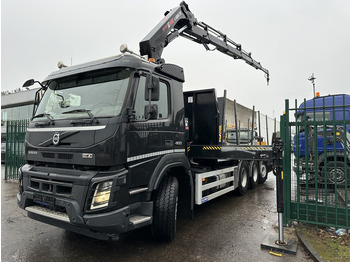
x: 162, y: 104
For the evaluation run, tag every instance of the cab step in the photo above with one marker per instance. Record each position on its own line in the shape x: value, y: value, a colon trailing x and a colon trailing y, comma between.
x: 137, y: 219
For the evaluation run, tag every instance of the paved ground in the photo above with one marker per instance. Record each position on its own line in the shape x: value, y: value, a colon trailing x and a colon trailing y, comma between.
x: 230, y: 228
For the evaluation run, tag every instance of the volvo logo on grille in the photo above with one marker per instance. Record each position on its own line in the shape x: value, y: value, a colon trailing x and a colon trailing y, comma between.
x: 56, y: 139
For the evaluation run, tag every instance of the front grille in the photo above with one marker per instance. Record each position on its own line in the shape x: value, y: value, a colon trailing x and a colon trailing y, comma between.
x: 58, y: 155
x: 65, y: 156
x: 51, y: 186
x: 48, y: 155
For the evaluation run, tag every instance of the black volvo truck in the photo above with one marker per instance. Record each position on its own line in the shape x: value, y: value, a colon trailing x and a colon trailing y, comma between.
x: 115, y: 144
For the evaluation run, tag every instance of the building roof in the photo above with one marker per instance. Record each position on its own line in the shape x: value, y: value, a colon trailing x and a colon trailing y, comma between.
x: 18, y: 99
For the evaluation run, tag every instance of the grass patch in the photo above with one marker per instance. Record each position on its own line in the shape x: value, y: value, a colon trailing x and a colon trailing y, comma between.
x: 330, y: 246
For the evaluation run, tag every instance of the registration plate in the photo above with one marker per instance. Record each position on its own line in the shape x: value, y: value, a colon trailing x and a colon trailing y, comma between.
x: 44, y: 200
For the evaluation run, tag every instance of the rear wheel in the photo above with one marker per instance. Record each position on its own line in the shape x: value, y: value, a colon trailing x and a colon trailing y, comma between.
x: 165, y: 210
x: 243, y: 178
x: 262, y: 172
x: 253, y: 174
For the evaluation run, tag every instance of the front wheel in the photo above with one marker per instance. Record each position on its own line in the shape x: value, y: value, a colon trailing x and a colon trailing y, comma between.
x: 165, y: 210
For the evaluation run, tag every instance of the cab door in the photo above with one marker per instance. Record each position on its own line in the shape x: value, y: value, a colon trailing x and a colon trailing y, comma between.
x: 150, y: 136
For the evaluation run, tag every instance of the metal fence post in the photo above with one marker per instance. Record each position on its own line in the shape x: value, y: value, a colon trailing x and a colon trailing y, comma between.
x: 285, y: 135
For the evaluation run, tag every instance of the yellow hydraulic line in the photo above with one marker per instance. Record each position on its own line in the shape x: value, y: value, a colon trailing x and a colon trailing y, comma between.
x: 275, y: 254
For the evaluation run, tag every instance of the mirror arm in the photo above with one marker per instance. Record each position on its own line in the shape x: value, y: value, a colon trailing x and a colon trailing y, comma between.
x: 42, y: 86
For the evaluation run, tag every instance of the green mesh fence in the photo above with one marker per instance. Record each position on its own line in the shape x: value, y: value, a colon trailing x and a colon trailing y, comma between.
x: 14, y: 156
x: 316, y: 167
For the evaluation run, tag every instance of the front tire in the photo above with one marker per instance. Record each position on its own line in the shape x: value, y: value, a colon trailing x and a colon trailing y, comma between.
x: 165, y: 210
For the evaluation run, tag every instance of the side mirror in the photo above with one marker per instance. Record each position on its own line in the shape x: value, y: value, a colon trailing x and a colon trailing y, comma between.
x: 152, y: 86
x: 29, y: 82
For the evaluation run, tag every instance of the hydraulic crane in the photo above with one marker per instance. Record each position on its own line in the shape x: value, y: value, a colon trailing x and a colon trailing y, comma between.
x: 180, y: 21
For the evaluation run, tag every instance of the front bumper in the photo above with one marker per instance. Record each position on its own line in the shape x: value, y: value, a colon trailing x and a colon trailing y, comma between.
x: 50, y: 203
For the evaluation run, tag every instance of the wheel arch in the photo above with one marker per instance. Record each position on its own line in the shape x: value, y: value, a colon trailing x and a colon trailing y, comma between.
x: 176, y: 165
x: 176, y: 161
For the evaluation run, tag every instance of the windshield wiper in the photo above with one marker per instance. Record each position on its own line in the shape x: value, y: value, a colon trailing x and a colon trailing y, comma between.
x: 44, y: 123
x: 88, y: 111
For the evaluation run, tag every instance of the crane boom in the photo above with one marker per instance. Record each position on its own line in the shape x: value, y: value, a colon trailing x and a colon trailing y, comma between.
x: 180, y: 21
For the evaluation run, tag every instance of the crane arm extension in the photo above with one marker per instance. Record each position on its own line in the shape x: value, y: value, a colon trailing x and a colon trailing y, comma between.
x: 180, y: 21
x: 204, y: 34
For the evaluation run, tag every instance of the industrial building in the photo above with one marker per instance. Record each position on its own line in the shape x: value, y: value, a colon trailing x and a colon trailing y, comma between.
x: 16, y: 106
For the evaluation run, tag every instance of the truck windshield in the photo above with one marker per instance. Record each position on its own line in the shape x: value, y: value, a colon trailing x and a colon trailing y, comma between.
x: 243, y: 134
x: 98, y: 93
x: 318, y: 116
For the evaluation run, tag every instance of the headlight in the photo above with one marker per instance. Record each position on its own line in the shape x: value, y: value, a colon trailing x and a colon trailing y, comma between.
x: 101, y: 195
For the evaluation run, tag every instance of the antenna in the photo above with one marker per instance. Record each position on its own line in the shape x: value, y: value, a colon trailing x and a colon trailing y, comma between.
x: 312, y: 79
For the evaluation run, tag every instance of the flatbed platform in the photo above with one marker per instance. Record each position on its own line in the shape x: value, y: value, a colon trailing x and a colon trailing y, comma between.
x: 232, y: 152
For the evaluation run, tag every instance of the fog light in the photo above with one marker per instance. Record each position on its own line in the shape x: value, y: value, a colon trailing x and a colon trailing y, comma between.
x: 101, y: 195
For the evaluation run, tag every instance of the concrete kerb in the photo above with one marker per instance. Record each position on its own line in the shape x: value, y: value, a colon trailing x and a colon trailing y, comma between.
x: 309, y: 248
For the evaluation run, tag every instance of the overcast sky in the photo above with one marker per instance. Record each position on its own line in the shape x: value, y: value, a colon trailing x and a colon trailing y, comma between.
x: 292, y: 39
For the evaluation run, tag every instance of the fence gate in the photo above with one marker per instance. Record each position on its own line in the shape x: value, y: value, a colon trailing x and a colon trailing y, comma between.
x: 14, y: 157
x: 316, y: 165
